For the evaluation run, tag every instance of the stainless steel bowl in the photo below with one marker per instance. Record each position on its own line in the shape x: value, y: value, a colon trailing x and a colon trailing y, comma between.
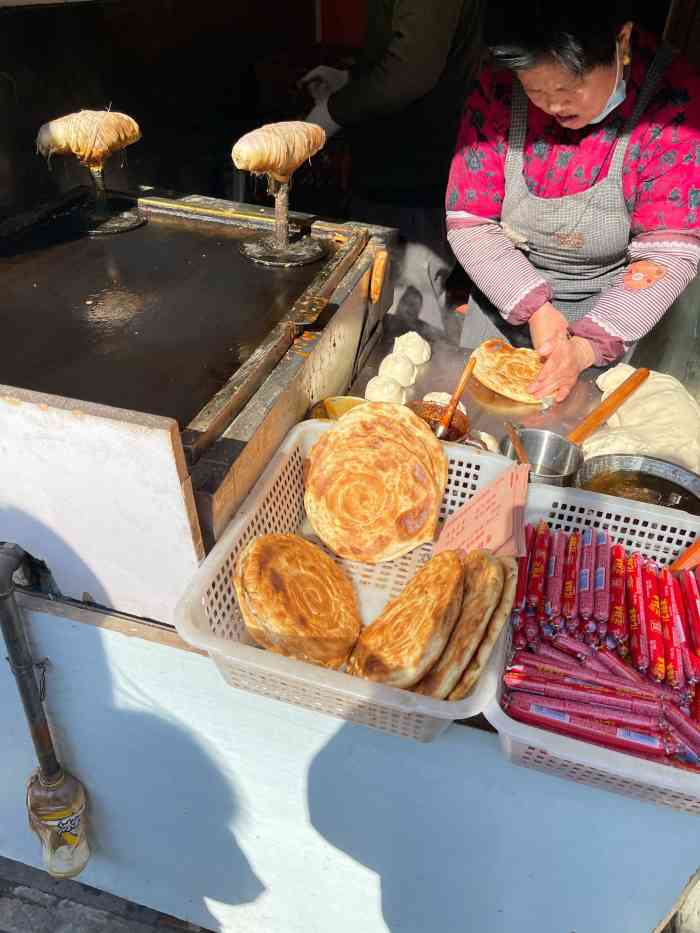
x: 675, y: 487
x: 553, y: 459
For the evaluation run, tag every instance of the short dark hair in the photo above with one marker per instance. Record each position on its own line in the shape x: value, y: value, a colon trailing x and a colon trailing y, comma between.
x: 578, y: 39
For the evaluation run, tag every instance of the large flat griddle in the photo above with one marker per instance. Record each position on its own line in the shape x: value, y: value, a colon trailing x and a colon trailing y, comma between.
x: 154, y: 320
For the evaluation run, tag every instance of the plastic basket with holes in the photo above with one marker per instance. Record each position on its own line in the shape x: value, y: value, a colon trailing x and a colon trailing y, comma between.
x: 661, y: 534
x: 208, y: 617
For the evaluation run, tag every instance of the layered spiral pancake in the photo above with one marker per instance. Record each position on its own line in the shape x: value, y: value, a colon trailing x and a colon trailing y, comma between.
x: 374, y: 484
x: 296, y: 601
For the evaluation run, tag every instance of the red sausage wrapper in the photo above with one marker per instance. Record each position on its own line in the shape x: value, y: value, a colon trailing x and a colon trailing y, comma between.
x: 680, y: 621
x: 617, y: 625
x: 538, y: 567
x: 523, y: 661
x: 691, y: 596
x: 617, y: 667
x: 688, y: 729
x: 675, y: 674
x: 655, y: 637
x: 601, y: 583
x: 555, y: 575
x: 586, y: 581
x: 583, y: 693
x: 572, y: 561
x: 621, y: 738
x: 636, y: 611
x: 606, y: 714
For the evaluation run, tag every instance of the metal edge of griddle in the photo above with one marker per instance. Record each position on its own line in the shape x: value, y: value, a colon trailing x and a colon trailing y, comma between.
x: 217, y: 210
x: 212, y: 420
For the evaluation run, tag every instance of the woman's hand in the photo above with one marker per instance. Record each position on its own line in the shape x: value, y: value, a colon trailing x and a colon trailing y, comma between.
x: 547, y: 324
x: 565, y: 360
x: 323, y: 81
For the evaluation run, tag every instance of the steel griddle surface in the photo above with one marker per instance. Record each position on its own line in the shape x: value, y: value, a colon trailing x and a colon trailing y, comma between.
x: 154, y: 320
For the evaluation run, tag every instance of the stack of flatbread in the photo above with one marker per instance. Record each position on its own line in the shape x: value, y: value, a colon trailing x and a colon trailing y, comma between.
x: 438, y: 634
x: 296, y: 601
x: 374, y: 484
x: 507, y: 370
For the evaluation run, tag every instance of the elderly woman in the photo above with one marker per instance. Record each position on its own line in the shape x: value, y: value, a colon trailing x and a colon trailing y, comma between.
x: 574, y: 194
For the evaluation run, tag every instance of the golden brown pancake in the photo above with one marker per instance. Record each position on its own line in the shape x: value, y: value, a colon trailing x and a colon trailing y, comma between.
x: 410, y: 634
x: 499, y: 618
x: 483, y: 586
x: 507, y: 370
x: 370, y: 493
x: 296, y: 601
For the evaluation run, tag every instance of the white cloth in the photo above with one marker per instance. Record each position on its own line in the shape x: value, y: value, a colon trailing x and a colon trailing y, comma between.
x: 661, y: 419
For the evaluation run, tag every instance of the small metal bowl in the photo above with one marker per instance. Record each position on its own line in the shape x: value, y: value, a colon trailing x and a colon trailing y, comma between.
x: 642, y: 479
x: 553, y: 459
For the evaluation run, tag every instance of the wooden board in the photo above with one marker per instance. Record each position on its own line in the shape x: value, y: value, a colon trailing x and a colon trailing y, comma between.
x: 102, y: 496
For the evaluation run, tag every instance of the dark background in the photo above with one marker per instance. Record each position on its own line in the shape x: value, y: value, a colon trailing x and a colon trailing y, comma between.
x: 194, y: 75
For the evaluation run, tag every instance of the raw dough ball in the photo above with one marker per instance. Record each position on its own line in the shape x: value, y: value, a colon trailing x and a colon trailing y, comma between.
x: 442, y: 398
x: 399, y: 367
x: 415, y: 348
x: 383, y: 389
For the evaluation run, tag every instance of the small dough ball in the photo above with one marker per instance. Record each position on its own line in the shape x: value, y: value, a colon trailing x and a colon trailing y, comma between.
x: 416, y: 349
x: 442, y: 398
x: 399, y: 367
x: 488, y: 440
x: 383, y: 389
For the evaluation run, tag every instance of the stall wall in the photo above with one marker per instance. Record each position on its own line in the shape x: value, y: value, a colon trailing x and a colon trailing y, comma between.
x: 243, y: 814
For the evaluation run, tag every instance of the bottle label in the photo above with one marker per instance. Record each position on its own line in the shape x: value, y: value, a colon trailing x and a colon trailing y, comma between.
x: 67, y: 823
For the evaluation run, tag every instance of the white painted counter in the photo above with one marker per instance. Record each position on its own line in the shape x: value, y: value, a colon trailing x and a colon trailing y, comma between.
x: 243, y: 814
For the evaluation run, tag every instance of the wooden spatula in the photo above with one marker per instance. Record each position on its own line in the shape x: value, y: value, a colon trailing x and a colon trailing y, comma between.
x: 443, y: 428
x: 601, y: 414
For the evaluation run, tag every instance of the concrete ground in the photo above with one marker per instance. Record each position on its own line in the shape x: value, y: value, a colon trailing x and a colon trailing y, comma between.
x: 33, y: 902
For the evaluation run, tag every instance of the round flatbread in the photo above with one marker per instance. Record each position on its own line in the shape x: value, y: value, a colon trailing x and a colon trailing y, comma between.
x: 371, y: 493
x: 499, y: 618
x: 483, y: 587
x: 410, y: 634
x: 296, y: 601
x: 507, y: 370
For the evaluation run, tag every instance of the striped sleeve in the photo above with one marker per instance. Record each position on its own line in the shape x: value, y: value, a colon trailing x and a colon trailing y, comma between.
x: 661, y: 266
x: 498, y: 269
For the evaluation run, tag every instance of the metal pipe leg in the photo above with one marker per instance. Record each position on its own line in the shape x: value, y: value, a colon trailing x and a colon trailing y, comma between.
x: 22, y: 664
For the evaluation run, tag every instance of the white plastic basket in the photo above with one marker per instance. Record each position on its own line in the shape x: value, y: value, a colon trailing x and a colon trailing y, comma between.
x: 655, y: 532
x: 208, y: 617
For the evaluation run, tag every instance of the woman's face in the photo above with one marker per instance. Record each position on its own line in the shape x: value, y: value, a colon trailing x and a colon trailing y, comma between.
x: 571, y: 99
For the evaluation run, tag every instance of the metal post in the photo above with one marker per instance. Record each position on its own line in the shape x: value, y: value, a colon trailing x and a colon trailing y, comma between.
x: 22, y: 664
x: 281, y: 237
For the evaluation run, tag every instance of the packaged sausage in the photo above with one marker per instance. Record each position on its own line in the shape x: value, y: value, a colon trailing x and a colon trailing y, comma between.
x: 691, y: 596
x: 648, y: 744
x: 617, y: 667
x: 572, y: 561
x: 608, y: 714
x: 538, y: 567
x: 583, y: 693
x: 524, y: 570
x: 617, y: 625
x: 586, y: 573
x: 532, y: 628
x: 655, y: 637
x: 689, y: 730
x: 636, y: 613
x: 555, y: 575
x: 649, y: 690
x: 681, y: 628
x: 601, y: 583
x: 675, y: 674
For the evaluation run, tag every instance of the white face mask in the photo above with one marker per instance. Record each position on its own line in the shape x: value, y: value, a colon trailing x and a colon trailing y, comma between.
x: 618, y: 94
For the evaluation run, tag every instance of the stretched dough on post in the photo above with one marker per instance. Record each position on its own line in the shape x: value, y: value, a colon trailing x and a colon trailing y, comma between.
x: 383, y: 389
x: 414, y: 346
x: 278, y: 149
x: 399, y: 367
x: 91, y: 135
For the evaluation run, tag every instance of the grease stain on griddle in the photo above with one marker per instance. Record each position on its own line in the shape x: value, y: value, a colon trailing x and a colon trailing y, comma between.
x: 153, y: 320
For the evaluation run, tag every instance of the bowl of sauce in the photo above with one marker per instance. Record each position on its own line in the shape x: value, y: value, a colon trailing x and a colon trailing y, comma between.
x: 642, y: 479
x: 432, y: 412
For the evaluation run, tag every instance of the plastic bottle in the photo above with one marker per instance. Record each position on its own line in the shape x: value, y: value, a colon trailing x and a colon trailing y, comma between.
x: 57, y: 814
